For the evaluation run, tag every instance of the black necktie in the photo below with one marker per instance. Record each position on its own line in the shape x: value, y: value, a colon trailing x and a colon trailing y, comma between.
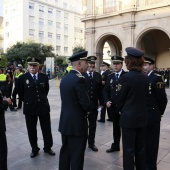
x: 90, y: 75
x: 117, y: 77
x: 34, y: 77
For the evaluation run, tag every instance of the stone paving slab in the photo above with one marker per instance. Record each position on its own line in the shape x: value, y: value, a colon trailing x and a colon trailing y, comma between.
x: 19, y: 148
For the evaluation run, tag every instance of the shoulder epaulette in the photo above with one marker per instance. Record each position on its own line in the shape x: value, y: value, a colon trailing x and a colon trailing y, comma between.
x: 111, y: 74
x: 157, y: 74
x: 79, y: 75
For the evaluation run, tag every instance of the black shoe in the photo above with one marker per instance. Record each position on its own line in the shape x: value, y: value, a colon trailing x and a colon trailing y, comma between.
x: 109, y: 120
x: 93, y: 148
x: 33, y: 154
x: 13, y: 110
x: 113, y: 149
x: 50, y: 152
x: 102, y: 121
x: 18, y: 108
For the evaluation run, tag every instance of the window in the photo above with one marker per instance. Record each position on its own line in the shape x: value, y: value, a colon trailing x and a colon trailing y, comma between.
x: 65, y: 5
x: 65, y: 38
x: 58, y: 25
x: 41, y: 8
x: 78, y: 30
x: 50, y: 23
x: 31, y: 32
x: 65, y: 27
x: 41, y: 22
x: 31, y: 6
x: 58, y: 48
x: 7, y: 24
x: 58, y: 37
x: 41, y: 34
x: 50, y: 11
x: 66, y: 49
x: 58, y: 14
x: 50, y: 35
x: 31, y: 19
x: 65, y: 15
x: 7, y: 34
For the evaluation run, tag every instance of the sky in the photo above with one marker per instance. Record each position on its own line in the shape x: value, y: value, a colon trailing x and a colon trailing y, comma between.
x: 1, y: 7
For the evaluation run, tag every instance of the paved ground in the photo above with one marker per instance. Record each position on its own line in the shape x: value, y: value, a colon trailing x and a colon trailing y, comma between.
x: 19, y: 148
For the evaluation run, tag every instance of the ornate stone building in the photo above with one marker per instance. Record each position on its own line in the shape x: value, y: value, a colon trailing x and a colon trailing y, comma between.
x: 144, y: 24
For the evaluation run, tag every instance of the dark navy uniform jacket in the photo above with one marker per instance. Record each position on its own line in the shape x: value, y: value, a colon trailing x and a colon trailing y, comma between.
x: 110, y: 90
x: 132, y: 96
x: 3, y: 107
x: 34, y: 95
x: 157, y: 99
x: 94, y: 90
x: 105, y: 75
x: 74, y: 106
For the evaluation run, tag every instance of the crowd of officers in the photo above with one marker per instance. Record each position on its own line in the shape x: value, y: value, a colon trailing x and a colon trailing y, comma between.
x: 135, y: 102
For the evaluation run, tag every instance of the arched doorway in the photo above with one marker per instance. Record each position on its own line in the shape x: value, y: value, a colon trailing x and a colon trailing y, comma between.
x: 156, y: 44
x: 109, y: 44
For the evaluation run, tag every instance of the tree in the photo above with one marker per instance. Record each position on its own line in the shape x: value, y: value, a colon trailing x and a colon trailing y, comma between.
x: 78, y: 49
x: 59, y: 60
x: 3, y: 61
x: 21, y: 51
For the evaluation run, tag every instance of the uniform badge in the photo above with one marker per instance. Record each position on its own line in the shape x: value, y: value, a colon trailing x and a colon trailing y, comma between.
x: 119, y: 86
x: 27, y: 81
x: 111, y: 80
x: 160, y: 85
x: 33, y: 59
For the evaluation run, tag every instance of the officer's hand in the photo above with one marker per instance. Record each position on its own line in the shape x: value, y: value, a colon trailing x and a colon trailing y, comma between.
x: 108, y: 104
x: 8, y: 100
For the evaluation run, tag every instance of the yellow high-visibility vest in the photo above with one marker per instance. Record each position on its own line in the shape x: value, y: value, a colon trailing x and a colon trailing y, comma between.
x: 3, y: 77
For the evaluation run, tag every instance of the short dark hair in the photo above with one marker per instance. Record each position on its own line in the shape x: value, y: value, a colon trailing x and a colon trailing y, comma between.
x: 133, y: 63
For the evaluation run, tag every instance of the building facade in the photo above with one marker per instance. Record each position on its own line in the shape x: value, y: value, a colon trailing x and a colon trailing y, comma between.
x: 52, y: 22
x: 144, y: 24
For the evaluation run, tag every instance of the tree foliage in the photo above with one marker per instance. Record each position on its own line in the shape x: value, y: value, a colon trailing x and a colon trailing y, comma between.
x: 3, y: 61
x: 20, y: 51
x: 78, y: 49
x: 59, y: 60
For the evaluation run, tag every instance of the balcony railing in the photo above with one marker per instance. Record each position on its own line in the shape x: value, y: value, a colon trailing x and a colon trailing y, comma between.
x: 122, y: 5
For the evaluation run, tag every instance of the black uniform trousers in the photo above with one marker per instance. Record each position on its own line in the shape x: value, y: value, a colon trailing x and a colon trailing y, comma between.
x: 3, y: 151
x: 133, y: 148
x: 152, y: 146
x: 45, y: 123
x: 14, y: 94
x: 103, y: 113
x: 116, y: 130
x: 92, y: 118
x: 72, y: 152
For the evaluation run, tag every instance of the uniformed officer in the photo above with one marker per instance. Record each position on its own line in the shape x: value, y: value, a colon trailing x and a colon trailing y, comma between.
x: 73, y: 119
x: 69, y: 68
x: 5, y: 87
x: 3, y: 143
x: 94, y: 85
x: 131, y: 100
x: 105, y: 72
x: 17, y: 74
x: 9, y: 73
x: 110, y: 93
x: 156, y: 102
x: 33, y: 90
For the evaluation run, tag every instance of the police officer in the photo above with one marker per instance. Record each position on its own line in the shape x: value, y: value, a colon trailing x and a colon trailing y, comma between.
x: 156, y: 102
x: 73, y: 119
x: 18, y: 73
x: 110, y: 93
x: 5, y: 87
x: 69, y: 68
x: 9, y: 73
x: 131, y: 99
x: 105, y: 72
x: 3, y: 142
x: 94, y: 85
x: 33, y: 91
